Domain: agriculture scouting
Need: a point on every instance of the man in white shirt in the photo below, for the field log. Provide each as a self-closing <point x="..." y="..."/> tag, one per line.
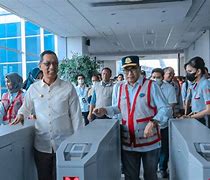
<point x="58" y="114"/>
<point x="82" y="92"/>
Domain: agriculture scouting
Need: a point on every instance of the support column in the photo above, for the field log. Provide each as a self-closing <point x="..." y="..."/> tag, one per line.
<point x="77" y="45"/>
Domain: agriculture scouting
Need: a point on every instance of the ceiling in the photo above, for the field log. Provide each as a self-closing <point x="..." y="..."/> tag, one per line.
<point x="117" y="27"/>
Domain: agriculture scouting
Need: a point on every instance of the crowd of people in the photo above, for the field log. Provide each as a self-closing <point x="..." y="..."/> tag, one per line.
<point x="142" y="105"/>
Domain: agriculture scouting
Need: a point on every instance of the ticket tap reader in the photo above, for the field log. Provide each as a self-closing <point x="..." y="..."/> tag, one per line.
<point x="203" y="149"/>
<point x="92" y="153"/>
<point x="16" y="152"/>
<point x="76" y="151"/>
<point x="189" y="150"/>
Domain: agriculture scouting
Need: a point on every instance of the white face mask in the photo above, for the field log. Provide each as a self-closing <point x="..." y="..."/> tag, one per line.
<point x="81" y="81"/>
<point x="93" y="83"/>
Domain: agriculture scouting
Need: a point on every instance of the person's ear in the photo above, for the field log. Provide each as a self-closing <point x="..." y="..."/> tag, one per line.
<point x="199" y="72"/>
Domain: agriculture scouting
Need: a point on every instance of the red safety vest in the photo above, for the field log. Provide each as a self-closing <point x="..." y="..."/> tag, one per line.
<point x="11" y="108"/>
<point x="135" y="117"/>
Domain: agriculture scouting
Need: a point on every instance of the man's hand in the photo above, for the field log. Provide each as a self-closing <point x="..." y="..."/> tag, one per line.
<point x="188" y="115"/>
<point x="99" y="112"/>
<point x="90" y="117"/>
<point x="148" y="131"/>
<point x="184" y="116"/>
<point x="19" y="119"/>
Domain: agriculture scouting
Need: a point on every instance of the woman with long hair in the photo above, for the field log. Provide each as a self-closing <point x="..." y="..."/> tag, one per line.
<point x="200" y="89"/>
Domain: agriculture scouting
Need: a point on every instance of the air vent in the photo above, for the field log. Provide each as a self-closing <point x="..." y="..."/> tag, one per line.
<point x="131" y="2"/>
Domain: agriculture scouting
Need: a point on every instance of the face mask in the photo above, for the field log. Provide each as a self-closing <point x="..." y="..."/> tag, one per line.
<point x="93" y="83"/>
<point x="191" y="76"/>
<point x="159" y="81"/>
<point x="81" y="81"/>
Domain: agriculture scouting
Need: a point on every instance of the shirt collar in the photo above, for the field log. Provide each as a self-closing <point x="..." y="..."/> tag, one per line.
<point x="56" y="82"/>
<point x="201" y="79"/>
<point x="106" y="84"/>
<point x="138" y="82"/>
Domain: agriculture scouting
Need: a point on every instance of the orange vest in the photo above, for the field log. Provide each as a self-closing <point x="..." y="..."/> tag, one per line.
<point x="135" y="117"/>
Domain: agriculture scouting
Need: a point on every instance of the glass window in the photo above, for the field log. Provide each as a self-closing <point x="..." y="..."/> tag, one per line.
<point x="47" y="32"/>
<point x="10" y="30"/>
<point x="14" y="43"/>
<point x="150" y="64"/>
<point x="49" y="42"/>
<point x="13" y="29"/>
<point x="32" y="48"/>
<point x="2" y="30"/>
<point x="10" y="50"/>
<point x="31" y="29"/>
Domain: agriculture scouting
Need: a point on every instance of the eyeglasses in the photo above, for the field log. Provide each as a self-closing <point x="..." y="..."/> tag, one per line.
<point x="47" y="64"/>
<point x="132" y="70"/>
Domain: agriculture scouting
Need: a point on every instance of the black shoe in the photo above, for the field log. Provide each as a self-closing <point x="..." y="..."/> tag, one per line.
<point x="162" y="174"/>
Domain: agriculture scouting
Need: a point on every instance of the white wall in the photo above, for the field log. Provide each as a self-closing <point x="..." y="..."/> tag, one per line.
<point x="111" y="65"/>
<point x="200" y="48"/>
<point x="76" y="45"/>
<point x="61" y="47"/>
<point x="110" y="62"/>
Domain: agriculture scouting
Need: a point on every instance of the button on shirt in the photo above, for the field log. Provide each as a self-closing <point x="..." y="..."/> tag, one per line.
<point x="57" y="111"/>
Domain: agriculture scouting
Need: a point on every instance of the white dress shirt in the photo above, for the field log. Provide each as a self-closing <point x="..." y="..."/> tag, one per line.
<point x="57" y="111"/>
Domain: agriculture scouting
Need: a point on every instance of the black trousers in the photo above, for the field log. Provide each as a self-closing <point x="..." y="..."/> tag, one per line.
<point x="46" y="165"/>
<point x="85" y="115"/>
<point x="164" y="150"/>
<point x="132" y="161"/>
<point x="202" y="120"/>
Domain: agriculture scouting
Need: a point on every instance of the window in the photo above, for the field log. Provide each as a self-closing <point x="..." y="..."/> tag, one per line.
<point x="49" y="42"/>
<point x="10" y="50"/>
<point x="32" y="48"/>
<point x="11" y="46"/>
<point x="10" y="30"/>
<point x="149" y="64"/>
<point x="31" y="29"/>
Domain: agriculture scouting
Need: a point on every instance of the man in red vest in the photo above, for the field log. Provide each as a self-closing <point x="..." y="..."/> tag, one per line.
<point x="143" y="107"/>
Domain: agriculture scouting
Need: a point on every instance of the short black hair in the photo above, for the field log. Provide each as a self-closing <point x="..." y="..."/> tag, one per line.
<point x="95" y="75"/>
<point x="106" y="68"/>
<point x="158" y="70"/>
<point x="143" y="72"/>
<point x="197" y="63"/>
<point x="47" y="52"/>
<point x="120" y="75"/>
<point x="80" y="75"/>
